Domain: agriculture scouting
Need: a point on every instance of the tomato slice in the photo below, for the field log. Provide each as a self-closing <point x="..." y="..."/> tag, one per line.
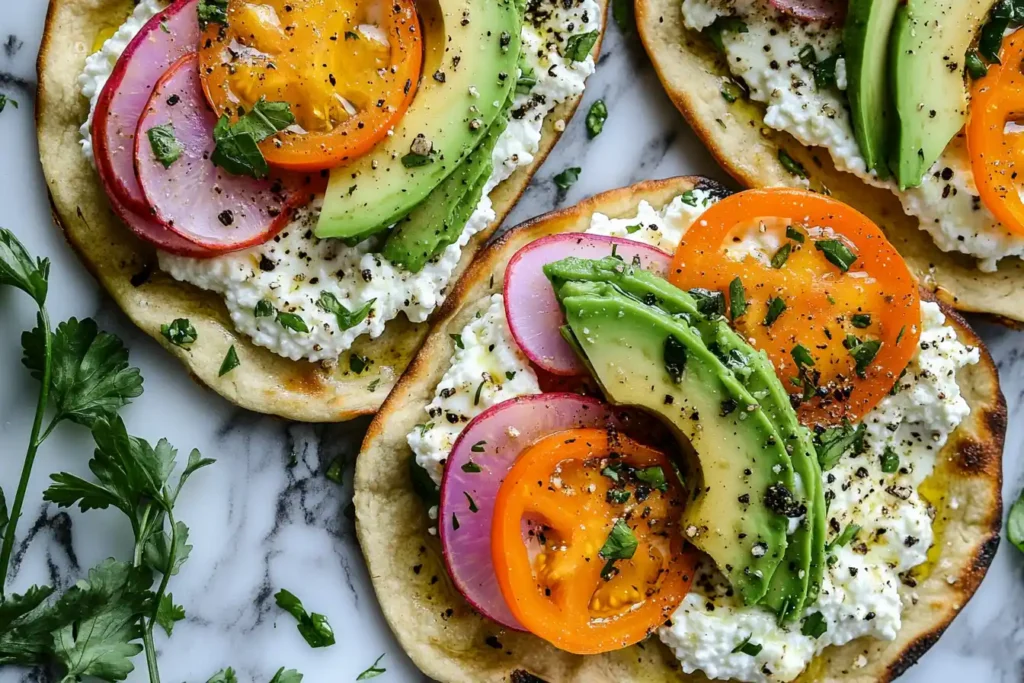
<point x="995" y="138"/>
<point x="586" y="541"/>
<point x="827" y="296"/>
<point x="348" y="68"/>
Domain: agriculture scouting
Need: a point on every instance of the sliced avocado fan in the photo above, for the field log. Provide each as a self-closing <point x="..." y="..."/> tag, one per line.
<point x="746" y="428"/>
<point x="439" y="220"/>
<point x="471" y="54"/>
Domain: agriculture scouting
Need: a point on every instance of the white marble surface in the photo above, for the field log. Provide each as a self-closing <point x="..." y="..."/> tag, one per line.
<point x="260" y="523"/>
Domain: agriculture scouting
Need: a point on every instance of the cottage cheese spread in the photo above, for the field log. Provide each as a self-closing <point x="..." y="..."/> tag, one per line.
<point x="292" y="270"/>
<point x="766" y="56"/>
<point x="860" y="592"/>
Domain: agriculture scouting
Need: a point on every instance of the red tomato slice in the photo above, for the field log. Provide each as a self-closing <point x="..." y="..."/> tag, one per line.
<point x="348" y="68"/>
<point x="586" y="541"/>
<point x="826" y="295"/>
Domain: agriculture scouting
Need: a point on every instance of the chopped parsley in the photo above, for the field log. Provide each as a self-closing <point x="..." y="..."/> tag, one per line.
<point x="792" y="165"/>
<point x="794" y="234"/>
<point x="781" y="256"/>
<point x="748" y="648"/>
<point x="580" y="45"/>
<point x="237" y="150"/>
<point x="832" y="444"/>
<point x="675" y="358"/>
<point x="837" y="253"/>
<point x="814" y="625"/>
<point x="802" y="356"/>
<point x="4" y="99"/>
<point x="776" y="307"/>
<point x="230" y="362"/>
<point x="975" y="67"/>
<point x="844" y="538"/>
<point x="621" y="543"/>
<point x="373" y="671"/>
<point x="890" y="461"/>
<point x="861" y="320"/>
<point x="596" y="117"/>
<point x="567" y="178"/>
<point x="471" y="467"/>
<point x="414" y="160"/>
<point x="457" y="338"/>
<point x="864" y="354"/>
<point x="720" y="26"/>
<point x="357" y="364"/>
<point x="709" y="302"/>
<point x="180" y="332"/>
<point x="291" y="321"/>
<point x="212" y="12"/>
<point x="346" y="319"/>
<point x="653" y="477"/>
<point x="313" y="627"/>
<point x="478" y="447"/>
<point x="737" y="299"/>
<point x="264" y="309"/>
<point x="166" y="147"/>
<point x="472" y="503"/>
<point x="617" y="496"/>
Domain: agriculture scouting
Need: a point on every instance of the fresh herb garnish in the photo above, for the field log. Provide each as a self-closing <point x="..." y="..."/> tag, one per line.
<point x="230" y="362"/>
<point x="166" y="147"/>
<point x="720" y="26"/>
<point x="781" y="256"/>
<point x="622" y="13"/>
<point x="1015" y="523"/>
<point x="633" y="229"/>
<point x="580" y="45"/>
<point x="776" y="307"/>
<point x="567" y="178"/>
<point x="864" y="354"/>
<point x="890" y="461"/>
<point x="373" y="671"/>
<point x="414" y="160"/>
<point x="527" y="79"/>
<point x="335" y="472"/>
<point x="457" y="338"/>
<point x="612" y="472"/>
<point x="802" y="356"/>
<point x="621" y="543"/>
<point x="748" y="648"/>
<point x="731" y="91"/>
<point x="346" y="319"/>
<point x="4" y="99"/>
<point x="314" y="627"/>
<point x="286" y="676"/>
<point x="479" y="391"/>
<point x="814" y="625"/>
<point x="264" y="309"/>
<point x="709" y="302"/>
<point x="237" y="144"/>
<point x="794" y="234"/>
<point x="291" y="321"/>
<point x="835" y="442"/>
<point x="899" y="337"/>
<point x="675" y="358"/>
<point x="472" y="503"/>
<point x="861" y="320"/>
<point x="422" y="484"/>
<point x="471" y="467"/>
<point x="653" y="477"/>
<point x="737" y="299"/>
<point x="357" y="363"/>
<point x="792" y="165"/>
<point x="212" y="12"/>
<point x="975" y="67"/>
<point x="180" y="332"/>
<point x="510" y="375"/>
<point x="837" y="253"/>
<point x="596" y="117"/>
<point x="373" y="385"/>
<point x="844" y="538"/>
<point x="617" y="496"/>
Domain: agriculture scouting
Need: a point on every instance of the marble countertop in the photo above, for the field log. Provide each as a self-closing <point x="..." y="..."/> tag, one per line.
<point x="265" y="517"/>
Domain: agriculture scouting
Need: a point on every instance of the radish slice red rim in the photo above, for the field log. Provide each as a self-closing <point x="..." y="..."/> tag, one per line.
<point x="480" y="459"/>
<point x="164" y="39"/>
<point x="812" y="10"/>
<point x="194" y="198"/>
<point x="534" y="316"/>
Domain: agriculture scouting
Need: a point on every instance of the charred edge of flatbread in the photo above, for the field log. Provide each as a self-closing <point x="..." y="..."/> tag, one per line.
<point x="692" y="73"/>
<point x="390" y="518"/>
<point x="264" y="382"/>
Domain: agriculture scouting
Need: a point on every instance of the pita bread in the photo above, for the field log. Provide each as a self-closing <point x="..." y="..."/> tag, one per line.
<point x="126" y="267"/>
<point x="452" y="643"/>
<point x="692" y="72"/>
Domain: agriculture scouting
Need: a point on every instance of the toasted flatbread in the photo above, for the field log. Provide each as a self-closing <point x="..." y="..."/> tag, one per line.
<point x="692" y="72"/>
<point x="126" y="267"/>
<point x="450" y="642"/>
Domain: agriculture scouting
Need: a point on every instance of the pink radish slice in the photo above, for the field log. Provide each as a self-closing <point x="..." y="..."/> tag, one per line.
<point x="201" y="202"/>
<point x="156" y="234"/>
<point x="164" y="39"/>
<point x="534" y="316"/>
<point x="812" y="10"/>
<point x="467" y="550"/>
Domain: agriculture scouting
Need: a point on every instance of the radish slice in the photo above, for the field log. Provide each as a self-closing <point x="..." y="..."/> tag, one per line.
<point x="164" y="39"/>
<point x="156" y="234"/>
<point x="812" y="10"/>
<point x="534" y="316"/>
<point x="201" y="202"/>
<point x="499" y="435"/>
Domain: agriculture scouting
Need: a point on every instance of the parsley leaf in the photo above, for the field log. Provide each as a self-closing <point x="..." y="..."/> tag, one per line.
<point x="567" y="178"/>
<point x="622" y="12"/>
<point x="580" y="45"/>
<point x="4" y="99"/>
<point x="776" y="307"/>
<point x="814" y="625"/>
<point x="781" y="256"/>
<point x="737" y="299"/>
<point x="654" y="477"/>
<point x="17" y="269"/>
<point x="237" y="150"/>
<point x="373" y="671"/>
<point x="864" y="354"/>
<point x="91" y="378"/>
<point x="264" y="309"/>
<point x="844" y="538"/>
<point x="837" y="253"/>
<point x="890" y="461"/>
<point x="212" y="12"/>
<point x="792" y="165"/>
<point x="832" y="444"/>
<point x="166" y="147"/>
<point x="748" y="648"/>
<point x="291" y="321"/>
<point x="230" y="362"/>
<point x="224" y="676"/>
<point x="861" y="320"/>
<point x="180" y="332"/>
<point x="346" y="319"/>
<point x="621" y="543"/>
<point x="313" y="627"/>
<point x="167" y="614"/>
<point x="596" y="117"/>
<point x="286" y="676"/>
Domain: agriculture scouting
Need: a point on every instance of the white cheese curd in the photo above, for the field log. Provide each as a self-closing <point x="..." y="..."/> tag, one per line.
<point x="99" y="65"/>
<point x="487" y="368"/>
<point x="294" y="269"/>
<point x="661" y="229"/>
<point x="766" y="55"/>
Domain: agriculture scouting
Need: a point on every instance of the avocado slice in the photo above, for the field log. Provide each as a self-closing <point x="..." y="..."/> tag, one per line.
<point x="797" y="580"/>
<point x="866" y="40"/>
<point x="928" y="43"/>
<point x="471" y="56"/>
<point x="644" y="357"/>
<point x="438" y="221"/>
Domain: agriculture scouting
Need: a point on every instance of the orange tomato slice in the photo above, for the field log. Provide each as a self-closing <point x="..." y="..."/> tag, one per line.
<point x="348" y="68"/>
<point x="827" y="296"/>
<point x="995" y="139"/>
<point x="586" y="541"/>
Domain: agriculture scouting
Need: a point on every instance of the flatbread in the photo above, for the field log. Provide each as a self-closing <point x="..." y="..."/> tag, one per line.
<point x="452" y="643"/>
<point x="126" y="267"/>
<point x="693" y="71"/>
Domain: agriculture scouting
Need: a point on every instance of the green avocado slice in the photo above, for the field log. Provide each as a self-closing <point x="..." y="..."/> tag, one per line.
<point x="644" y="357"/>
<point x="438" y="221"/>
<point x="797" y="581"/>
